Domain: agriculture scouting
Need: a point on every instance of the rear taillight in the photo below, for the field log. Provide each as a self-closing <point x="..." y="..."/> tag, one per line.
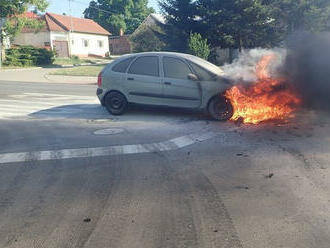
<point x="99" y="80"/>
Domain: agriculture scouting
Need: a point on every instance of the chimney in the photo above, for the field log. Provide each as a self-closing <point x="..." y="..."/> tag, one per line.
<point x="121" y="32"/>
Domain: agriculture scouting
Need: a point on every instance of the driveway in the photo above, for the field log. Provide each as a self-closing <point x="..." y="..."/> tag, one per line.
<point x="71" y="175"/>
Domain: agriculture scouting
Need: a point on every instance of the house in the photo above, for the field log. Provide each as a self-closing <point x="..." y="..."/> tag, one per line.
<point x="67" y="35"/>
<point x="153" y="19"/>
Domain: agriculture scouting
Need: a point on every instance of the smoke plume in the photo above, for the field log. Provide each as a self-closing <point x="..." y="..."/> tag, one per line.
<point x="307" y="66"/>
<point x="243" y="69"/>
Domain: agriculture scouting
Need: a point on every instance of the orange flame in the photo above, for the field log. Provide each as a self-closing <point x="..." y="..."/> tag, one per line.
<point x="267" y="99"/>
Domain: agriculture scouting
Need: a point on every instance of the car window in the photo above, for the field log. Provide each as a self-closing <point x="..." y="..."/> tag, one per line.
<point x="148" y="66"/>
<point x="123" y="65"/>
<point x="175" y="68"/>
<point x="203" y="74"/>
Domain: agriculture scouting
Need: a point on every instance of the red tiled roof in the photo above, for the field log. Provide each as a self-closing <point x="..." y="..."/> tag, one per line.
<point x="63" y="23"/>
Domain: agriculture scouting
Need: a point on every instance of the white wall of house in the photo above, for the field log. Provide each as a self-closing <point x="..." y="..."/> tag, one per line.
<point x="89" y="44"/>
<point x="60" y="36"/>
<point x="80" y="44"/>
<point x="32" y="39"/>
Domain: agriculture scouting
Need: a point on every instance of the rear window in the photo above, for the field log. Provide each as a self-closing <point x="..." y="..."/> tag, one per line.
<point x="147" y="66"/>
<point x="123" y="65"/>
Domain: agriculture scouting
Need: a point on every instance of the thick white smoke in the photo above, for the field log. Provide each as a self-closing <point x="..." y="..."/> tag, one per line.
<point x="243" y="69"/>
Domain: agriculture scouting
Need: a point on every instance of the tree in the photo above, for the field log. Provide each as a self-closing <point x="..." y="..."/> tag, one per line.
<point x="301" y="15"/>
<point x="198" y="46"/>
<point x="238" y="23"/>
<point x="182" y="16"/>
<point x="115" y="15"/>
<point x="12" y="11"/>
<point x="17" y="7"/>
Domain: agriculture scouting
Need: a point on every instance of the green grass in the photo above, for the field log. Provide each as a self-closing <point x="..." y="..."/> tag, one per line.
<point x="89" y="71"/>
<point x="75" y="60"/>
<point x="70" y="61"/>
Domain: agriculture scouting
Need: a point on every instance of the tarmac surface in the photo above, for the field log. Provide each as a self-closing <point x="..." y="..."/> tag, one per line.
<point x="71" y="175"/>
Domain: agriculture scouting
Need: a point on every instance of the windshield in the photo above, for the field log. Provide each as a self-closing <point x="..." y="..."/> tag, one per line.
<point x="206" y="65"/>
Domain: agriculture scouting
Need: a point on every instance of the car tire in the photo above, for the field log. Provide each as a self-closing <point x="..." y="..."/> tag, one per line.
<point x="220" y="109"/>
<point x="115" y="102"/>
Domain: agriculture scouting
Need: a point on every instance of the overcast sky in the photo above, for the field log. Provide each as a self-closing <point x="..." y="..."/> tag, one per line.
<point x="78" y="6"/>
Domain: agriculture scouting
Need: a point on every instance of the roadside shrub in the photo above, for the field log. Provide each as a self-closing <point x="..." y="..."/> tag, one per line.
<point x="198" y="46"/>
<point x="29" y="56"/>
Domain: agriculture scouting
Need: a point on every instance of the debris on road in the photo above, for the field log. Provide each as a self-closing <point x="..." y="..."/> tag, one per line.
<point x="87" y="220"/>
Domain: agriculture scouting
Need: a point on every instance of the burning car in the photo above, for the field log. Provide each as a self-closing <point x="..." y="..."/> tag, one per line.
<point x="186" y="81"/>
<point x="165" y="79"/>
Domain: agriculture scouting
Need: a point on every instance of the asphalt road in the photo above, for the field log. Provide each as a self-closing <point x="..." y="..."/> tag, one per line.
<point x="158" y="178"/>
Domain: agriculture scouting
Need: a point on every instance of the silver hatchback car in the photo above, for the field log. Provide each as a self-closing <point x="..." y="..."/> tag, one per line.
<point x="164" y="79"/>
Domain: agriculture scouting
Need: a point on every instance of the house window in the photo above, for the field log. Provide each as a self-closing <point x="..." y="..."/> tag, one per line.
<point x="100" y="43"/>
<point x="85" y="43"/>
<point x="72" y="42"/>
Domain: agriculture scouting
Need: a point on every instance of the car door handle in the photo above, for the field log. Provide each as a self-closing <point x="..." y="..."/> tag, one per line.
<point x="167" y="83"/>
<point x="130" y="79"/>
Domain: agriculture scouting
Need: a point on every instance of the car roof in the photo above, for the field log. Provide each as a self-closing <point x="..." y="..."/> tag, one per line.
<point x="160" y="53"/>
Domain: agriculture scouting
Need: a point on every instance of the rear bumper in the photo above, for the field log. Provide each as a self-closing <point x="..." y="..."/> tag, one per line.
<point x="99" y="93"/>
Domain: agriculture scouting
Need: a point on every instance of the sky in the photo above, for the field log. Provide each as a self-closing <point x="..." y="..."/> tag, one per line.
<point x="78" y="6"/>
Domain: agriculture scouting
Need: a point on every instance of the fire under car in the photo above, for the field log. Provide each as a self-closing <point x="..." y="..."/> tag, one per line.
<point x="164" y="79"/>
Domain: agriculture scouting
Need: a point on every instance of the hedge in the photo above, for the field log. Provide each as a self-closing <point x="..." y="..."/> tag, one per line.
<point x="28" y="56"/>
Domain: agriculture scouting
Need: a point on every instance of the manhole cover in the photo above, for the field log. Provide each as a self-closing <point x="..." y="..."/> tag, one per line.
<point x="109" y="131"/>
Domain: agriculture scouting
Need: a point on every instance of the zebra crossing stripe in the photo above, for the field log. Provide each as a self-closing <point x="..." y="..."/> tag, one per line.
<point x="169" y="145"/>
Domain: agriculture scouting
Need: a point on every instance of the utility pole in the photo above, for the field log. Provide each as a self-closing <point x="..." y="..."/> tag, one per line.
<point x="2" y="22"/>
<point x="70" y="33"/>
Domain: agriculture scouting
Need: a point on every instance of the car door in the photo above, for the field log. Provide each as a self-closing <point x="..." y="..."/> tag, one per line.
<point x="178" y="90"/>
<point x="143" y="81"/>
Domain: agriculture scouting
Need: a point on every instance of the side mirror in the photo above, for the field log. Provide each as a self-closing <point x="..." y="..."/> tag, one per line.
<point x="193" y="77"/>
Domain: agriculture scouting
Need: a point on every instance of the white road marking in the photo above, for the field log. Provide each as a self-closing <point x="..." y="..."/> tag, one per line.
<point x="28" y="103"/>
<point x="168" y="145"/>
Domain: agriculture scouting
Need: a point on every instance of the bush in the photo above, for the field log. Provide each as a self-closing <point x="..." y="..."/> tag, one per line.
<point x="198" y="46"/>
<point x="29" y="56"/>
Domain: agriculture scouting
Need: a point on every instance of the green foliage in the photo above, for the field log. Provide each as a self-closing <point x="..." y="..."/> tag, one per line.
<point x="198" y="46"/>
<point x="29" y="56"/>
<point x="16" y="7"/>
<point x="298" y="15"/>
<point x="118" y="14"/>
<point x="238" y="23"/>
<point x="246" y="23"/>
<point x="148" y="39"/>
<point x="12" y="10"/>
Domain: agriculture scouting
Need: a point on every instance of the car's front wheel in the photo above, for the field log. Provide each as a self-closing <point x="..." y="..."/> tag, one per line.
<point x="220" y="108"/>
<point x="115" y="103"/>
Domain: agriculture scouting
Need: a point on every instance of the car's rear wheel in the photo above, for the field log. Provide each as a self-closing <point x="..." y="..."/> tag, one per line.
<point x="115" y="103"/>
<point x="220" y="108"/>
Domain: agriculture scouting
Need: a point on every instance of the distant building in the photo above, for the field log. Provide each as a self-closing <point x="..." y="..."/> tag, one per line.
<point x="152" y="20"/>
<point x="67" y="35"/>
<point x="120" y="44"/>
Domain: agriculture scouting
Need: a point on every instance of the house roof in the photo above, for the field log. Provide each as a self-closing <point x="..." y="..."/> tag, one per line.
<point x="62" y="23"/>
<point x="56" y="22"/>
<point x="159" y="18"/>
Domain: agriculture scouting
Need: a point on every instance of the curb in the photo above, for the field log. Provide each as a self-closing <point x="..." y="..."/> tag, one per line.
<point x="84" y="64"/>
<point x="21" y="69"/>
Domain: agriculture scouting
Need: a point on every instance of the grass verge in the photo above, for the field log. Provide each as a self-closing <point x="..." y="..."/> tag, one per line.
<point x="88" y="71"/>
